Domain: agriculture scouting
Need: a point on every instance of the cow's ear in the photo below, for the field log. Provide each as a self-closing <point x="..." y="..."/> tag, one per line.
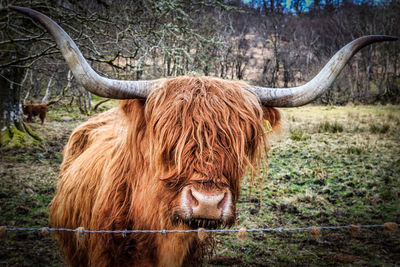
<point x="273" y="116"/>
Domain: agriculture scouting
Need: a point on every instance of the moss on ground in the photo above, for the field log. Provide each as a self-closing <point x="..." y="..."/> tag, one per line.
<point x="18" y="136"/>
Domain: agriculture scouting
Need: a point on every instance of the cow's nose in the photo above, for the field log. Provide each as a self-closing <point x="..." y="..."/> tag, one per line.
<point x="208" y="204"/>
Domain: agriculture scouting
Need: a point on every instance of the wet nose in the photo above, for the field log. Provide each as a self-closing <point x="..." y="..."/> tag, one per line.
<point x="207" y="204"/>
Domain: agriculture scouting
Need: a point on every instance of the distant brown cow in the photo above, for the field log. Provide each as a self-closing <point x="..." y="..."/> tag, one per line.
<point x="171" y="156"/>
<point x="33" y="110"/>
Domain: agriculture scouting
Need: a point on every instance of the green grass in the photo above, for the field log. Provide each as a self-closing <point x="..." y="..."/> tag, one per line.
<point x="330" y="166"/>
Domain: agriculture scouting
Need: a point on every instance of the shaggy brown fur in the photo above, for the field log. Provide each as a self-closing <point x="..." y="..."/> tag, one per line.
<point x="125" y="169"/>
<point x="33" y="110"/>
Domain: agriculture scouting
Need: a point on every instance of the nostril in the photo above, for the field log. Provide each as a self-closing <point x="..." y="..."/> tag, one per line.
<point x="222" y="203"/>
<point x="192" y="199"/>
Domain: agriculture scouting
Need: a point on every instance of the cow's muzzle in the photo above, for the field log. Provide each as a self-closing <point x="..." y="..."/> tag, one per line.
<point x="207" y="208"/>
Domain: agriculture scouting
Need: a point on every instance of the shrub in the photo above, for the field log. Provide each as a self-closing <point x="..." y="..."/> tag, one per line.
<point x="355" y="150"/>
<point x="329" y="127"/>
<point x="379" y="129"/>
<point x="299" y="135"/>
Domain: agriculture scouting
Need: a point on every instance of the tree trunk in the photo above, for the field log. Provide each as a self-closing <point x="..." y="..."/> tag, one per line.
<point x="13" y="131"/>
<point x="46" y="97"/>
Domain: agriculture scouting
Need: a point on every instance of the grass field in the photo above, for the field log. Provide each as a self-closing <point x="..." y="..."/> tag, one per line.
<point x="330" y="166"/>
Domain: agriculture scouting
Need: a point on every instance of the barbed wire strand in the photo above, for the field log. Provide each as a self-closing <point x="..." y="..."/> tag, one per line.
<point x="279" y="229"/>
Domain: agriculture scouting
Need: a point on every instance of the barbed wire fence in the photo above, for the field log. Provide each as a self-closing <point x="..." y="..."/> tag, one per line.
<point x="315" y="231"/>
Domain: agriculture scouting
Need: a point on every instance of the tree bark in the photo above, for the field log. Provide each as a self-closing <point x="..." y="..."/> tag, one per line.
<point x="13" y="131"/>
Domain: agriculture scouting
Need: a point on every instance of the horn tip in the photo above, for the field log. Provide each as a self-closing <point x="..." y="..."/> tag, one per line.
<point x="14" y="7"/>
<point x="391" y="37"/>
<point x="19" y="8"/>
<point x="384" y="37"/>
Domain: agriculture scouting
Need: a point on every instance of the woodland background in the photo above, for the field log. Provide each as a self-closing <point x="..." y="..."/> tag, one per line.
<point x="266" y="42"/>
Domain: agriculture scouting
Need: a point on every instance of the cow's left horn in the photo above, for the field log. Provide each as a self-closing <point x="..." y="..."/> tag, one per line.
<point x="83" y="72"/>
<point x="301" y="95"/>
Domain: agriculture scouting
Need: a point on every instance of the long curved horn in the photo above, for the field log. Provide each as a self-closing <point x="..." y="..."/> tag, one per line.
<point x="301" y="95"/>
<point x="83" y="72"/>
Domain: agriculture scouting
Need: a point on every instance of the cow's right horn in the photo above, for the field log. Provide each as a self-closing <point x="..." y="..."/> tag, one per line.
<point x="83" y="72"/>
<point x="301" y="95"/>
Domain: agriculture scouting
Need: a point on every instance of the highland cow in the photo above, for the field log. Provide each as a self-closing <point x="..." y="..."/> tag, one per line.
<point x="32" y="110"/>
<point x="171" y="156"/>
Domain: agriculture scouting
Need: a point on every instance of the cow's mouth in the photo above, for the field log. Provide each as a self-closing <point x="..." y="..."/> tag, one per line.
<point x="196" y="223"/>
<point x="204" y="223"/>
